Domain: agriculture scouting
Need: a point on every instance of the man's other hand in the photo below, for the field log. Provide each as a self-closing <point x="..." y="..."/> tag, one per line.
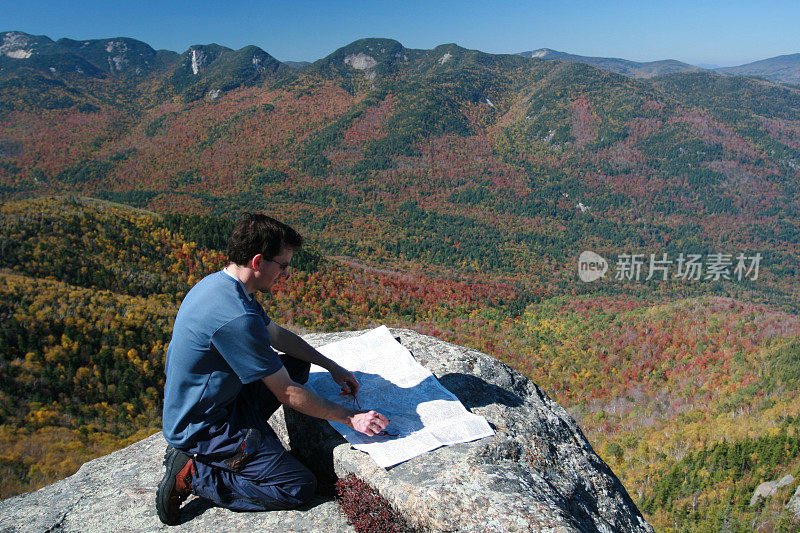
<point x="369" y="423"/>
<point x="345" y="379"/>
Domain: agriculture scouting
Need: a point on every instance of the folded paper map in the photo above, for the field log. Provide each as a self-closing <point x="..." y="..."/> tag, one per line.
<point x="422" y="414"/>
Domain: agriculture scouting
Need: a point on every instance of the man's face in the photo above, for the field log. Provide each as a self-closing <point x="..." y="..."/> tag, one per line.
<point x="274" y="269"/>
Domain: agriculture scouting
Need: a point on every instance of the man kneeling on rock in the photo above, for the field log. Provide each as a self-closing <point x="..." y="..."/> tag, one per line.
<point x="224" y="380"/>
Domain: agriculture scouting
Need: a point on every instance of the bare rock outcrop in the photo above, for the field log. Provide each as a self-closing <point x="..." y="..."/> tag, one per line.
<point x="117" y="493"/>
<point x="794" y="505"/>
<point x="538" y="473"/>
<point x="770" y="488"/>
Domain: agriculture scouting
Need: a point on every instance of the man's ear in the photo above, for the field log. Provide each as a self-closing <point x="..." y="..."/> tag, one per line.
<point x="255" y="262"/>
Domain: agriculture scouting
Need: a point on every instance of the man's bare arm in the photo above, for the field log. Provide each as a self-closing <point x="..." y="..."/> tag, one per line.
<point x="301" y="398"/>
<point x="291" y="344"/>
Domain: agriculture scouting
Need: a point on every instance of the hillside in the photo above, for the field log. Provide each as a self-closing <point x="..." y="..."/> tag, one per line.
<point x="449" y="158"/>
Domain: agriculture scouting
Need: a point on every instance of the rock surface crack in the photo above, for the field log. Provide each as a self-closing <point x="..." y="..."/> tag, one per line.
<point x="60" y="521"/>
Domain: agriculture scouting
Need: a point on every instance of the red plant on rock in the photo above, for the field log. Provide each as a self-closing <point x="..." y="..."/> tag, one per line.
<point x="366" y="509"/>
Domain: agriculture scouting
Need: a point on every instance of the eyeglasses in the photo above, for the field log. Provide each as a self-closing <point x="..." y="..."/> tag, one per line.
<point x="284" y="268"/>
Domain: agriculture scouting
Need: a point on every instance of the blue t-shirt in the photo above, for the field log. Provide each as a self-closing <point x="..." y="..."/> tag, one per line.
<point x="219" y="342"/>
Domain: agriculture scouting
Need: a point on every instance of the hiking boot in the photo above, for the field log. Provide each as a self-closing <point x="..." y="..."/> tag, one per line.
<point x="175" y="486"/>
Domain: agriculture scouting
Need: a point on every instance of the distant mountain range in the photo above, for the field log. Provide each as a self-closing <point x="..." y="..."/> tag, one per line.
<point x="456" y="145"/>
<point x="122" y="55"/>
<point x="209" y="129"/>
<point x="93" y="57"/>
<point x="200" y="70"/>
<point x="625" y="67"/>
<point x="781" y="69"/>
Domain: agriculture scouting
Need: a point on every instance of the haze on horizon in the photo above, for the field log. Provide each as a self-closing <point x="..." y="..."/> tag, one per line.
<point x="701" y="33"/>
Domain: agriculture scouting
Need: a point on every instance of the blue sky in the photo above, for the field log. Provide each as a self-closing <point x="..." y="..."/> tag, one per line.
<point x="698" y="32"/>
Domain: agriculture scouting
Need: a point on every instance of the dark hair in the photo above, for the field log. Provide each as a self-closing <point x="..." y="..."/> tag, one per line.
<point x="259" y="234"/>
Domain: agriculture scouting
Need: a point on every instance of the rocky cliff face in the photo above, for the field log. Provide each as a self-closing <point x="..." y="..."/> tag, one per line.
<point x="93" y="57"/>
<point x="538" y="473"/>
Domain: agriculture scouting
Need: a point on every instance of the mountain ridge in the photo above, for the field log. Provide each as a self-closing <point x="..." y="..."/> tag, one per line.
<point x="778" y="69"/>
<point x="783" y="68"/>
<point x="20" y="45"/>
<point x="625" y="67"/>
<point x="697" y="147"/>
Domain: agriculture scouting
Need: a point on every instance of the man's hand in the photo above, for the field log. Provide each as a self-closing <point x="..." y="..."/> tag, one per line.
<point x="302" y="399"/>
<point x="369" y="423"/>
<point x="345" y="379"/>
